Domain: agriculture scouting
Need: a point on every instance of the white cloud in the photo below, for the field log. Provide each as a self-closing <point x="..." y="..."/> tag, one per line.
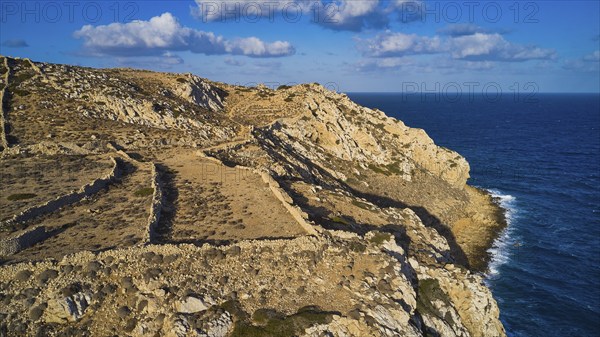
<point x="385" y="63"/>
<point x="461" y="29"/>
<point x="165" y="61"/>
<point x="440" y="65"/>
<point x="587" y="63"/>
<point x="351" y="15"/>
<point x="474" y="47"/>
<point x="495" y="47"/>
<point x="164" y="33"/>
<point x="400" y="44"/>
<point x="593" y="57"/>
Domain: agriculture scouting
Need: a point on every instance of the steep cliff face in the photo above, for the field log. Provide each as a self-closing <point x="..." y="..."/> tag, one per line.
<point x="350" y="132"/>
<point x="237" y="212"/>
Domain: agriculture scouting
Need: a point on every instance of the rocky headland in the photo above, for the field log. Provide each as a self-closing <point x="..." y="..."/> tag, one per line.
<point x="136" y="203"/>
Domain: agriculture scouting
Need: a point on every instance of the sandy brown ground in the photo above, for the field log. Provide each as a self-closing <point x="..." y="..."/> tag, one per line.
<point x="112" y="218"/>
<point x="219" y="203"/>
<point x="46" y="177"/>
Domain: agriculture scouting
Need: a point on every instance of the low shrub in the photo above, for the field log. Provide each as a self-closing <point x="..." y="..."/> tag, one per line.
<point x="21" y="196"/>
<point x="144" y="192"/>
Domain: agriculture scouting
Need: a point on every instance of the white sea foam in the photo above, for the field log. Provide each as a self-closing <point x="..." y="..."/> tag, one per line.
<point x="506" y="244"/>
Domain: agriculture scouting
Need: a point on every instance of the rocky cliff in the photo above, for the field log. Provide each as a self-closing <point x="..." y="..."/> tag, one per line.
<point x="237" y="212"/>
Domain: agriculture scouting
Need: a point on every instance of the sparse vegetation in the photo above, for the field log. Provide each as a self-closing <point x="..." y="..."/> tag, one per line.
<point x="338" y="219"/>
<point x="378" y="238"/>
<point x="144" y="192"/>
<point x="378" y="169"/>
<point x="429" y="291"/>
<point x="380" y="126"/>
<point x="357" y="247"/>
<point x="21" y="77"/>
<point x="394" y="168"/>
<point x="21" y="196"/>
<point x="274" y="324"/>
<point x="360" y="204"/>
<point x="20" y="92"/>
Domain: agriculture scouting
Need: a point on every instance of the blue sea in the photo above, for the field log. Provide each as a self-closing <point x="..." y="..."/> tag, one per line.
<point x="541" y="156"/>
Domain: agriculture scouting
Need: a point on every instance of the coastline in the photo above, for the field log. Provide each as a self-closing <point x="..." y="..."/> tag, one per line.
<point x="483" y="222"/>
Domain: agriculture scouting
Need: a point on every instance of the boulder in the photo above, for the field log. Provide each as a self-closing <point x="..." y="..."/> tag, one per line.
<point x="190" y="305"/>
<point x="67" y="309"/>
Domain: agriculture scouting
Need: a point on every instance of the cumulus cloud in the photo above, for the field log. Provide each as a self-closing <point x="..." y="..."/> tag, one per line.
<point x="164" y="33"/>
<point x="165" y="61"/>
<point x="349" y="15"/>
<point x="352" y="15"/>
<point x="473" y="47"/>
<point x="587" y="63"/>
<point x="400" y="44"/>
<point x="385" y="63"/>
<point x="461" y="29"/>
<point x="441" y="64"/>
<point x="495" y="47"/>
<point x="593" y="57"/>
<point x="16" y="43"/>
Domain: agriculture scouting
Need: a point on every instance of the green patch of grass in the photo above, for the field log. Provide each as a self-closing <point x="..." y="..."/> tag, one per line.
<point x="234" y="308"/>
<point x="181" y="80"/>
<point x="394" y="168"/>
<point x="263" y="316"/>
<point x="20" y="92"/>
<point x="429" y="291"/>
<point x="338" y="219"/>
<point x="361" y="204"/>
<point x="283" y="87"/>
<point x="352" y="181"/>
<point x="379" y="238"/>
<point x="21" y="196"/>
<point x="274" y="324"/>
<point x="22" y="77"/>
<point x="378" y="169"/>
<point x="144" y="192"/>
<point x="357" y="247"/>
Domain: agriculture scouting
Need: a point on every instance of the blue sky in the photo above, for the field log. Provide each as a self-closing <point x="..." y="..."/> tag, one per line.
<point x="360" y="45"/>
